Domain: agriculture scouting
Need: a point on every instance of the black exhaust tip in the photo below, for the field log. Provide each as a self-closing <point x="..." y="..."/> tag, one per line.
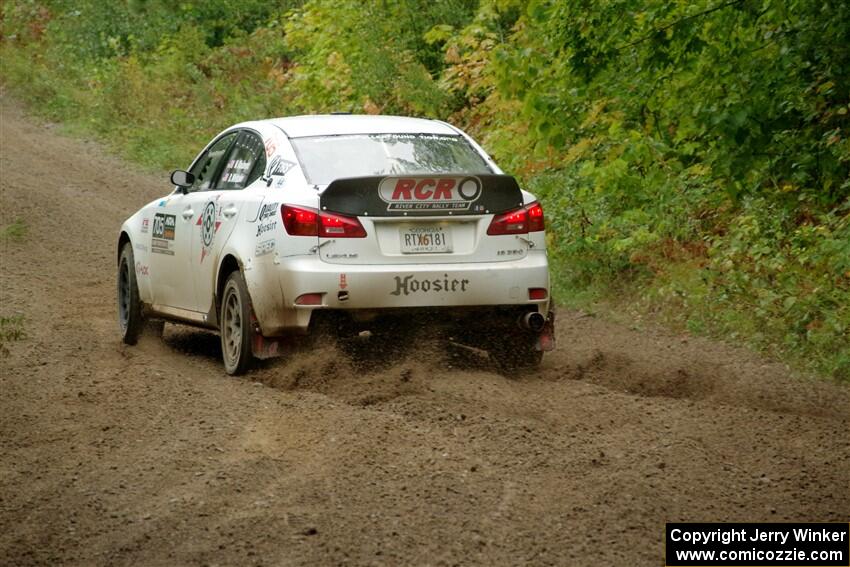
<point x="532" y="322"/>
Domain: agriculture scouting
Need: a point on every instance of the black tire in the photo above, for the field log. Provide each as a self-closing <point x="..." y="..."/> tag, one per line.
<point x="130" y="318"/>
<point x="236" y="326"/>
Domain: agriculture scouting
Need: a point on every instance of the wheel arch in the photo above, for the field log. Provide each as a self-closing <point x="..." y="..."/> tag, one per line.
<point x="229" y="264"/>
<point x="123" y="239"/>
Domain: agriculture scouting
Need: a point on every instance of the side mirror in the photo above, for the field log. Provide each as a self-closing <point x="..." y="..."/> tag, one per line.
<point x="182" y="179"/>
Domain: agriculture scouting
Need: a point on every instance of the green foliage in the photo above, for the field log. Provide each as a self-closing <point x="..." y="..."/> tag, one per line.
<point x="11" y="329"/>
<point x="369" y="57"/>
<point x="693" y="157"/>
<point x="108" y="30"/>
<point x="14" y="232"/>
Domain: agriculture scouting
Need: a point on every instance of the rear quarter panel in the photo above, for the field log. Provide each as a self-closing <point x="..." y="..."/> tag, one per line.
<point x="261" y="241"/>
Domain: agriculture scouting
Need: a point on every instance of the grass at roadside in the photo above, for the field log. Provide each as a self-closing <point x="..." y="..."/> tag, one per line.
<point x="687" y="307"/>
<point x="14" y="232"/>
<point x="11" y="329"/>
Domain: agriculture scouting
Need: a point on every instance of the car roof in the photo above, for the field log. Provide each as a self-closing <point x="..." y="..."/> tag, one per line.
<point x="341" y="124"/>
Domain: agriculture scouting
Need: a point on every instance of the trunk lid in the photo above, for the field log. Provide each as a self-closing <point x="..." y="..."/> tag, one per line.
<point x="421" y="219"/>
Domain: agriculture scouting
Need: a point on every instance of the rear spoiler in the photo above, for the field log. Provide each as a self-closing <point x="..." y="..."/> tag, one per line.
<point x="422" y="195"/>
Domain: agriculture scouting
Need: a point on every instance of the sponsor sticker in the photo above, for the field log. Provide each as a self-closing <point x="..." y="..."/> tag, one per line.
<point x="209" y="223"/>
<point x="267" y="211"/>
<point x="264" y="247"/>
<point x="162" y="235"/>
<point x="142" y="270"/>
<point x="429" y="193"/>
<point x="343" y="281"/>
<point x="279" y="166"/>
<point x="267" y="219"/>
<point x="237" y="170"/>
<point x="145" y="225"/>
<point x="270" y="147"/>
<point x="408" y="285"/>
<point x="265" y="227"/>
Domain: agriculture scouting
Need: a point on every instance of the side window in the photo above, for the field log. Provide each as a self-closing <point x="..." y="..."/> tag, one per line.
<point x="207" y="165"/>
<point x="245" y="163"/>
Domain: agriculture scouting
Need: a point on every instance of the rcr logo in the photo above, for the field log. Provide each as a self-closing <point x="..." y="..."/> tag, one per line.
<point x="430" y="193"/>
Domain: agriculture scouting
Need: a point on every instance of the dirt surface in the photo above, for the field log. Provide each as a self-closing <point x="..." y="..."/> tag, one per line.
<point x="151" y="455"/>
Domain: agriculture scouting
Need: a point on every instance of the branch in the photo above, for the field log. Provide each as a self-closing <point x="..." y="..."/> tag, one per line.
<point x="677" y="22"/>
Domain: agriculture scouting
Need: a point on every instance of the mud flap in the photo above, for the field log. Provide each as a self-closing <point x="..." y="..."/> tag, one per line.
<point x="263" y="347"/>
<point x="546" y="339"/>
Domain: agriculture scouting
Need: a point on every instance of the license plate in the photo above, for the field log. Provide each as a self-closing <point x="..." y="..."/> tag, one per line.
<point x="425" y="239"/>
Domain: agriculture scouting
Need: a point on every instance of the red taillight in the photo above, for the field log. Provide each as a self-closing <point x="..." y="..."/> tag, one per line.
<point x="512" y="222"/>
<point x="338" y="226"/>
<point x="301" y="221"/>
<point x="519" y="221"/>
<point x="535" y="217"/>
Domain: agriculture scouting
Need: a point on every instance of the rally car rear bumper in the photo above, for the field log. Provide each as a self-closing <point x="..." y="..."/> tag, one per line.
<point x="306" y="283"/>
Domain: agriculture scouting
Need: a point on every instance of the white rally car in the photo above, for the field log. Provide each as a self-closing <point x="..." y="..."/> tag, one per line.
<point x="287" y="226"/>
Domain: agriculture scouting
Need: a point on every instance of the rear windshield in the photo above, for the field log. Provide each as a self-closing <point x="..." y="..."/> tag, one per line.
<point x="325" y="158"/>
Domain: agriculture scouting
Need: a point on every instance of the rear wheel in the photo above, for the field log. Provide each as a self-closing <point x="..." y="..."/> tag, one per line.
<point x="236" y="328"/>
<point x="129" y="306"/>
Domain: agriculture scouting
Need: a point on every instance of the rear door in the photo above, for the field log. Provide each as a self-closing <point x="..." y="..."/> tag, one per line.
<point x="219" y="209"/>
<point x="172" y="226"/>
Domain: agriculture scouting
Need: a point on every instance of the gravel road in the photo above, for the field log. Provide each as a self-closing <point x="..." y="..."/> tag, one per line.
<point x="151" y="455"/>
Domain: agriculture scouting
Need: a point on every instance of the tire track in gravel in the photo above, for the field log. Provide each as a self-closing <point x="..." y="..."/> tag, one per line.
<point x="150" y="455"/>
